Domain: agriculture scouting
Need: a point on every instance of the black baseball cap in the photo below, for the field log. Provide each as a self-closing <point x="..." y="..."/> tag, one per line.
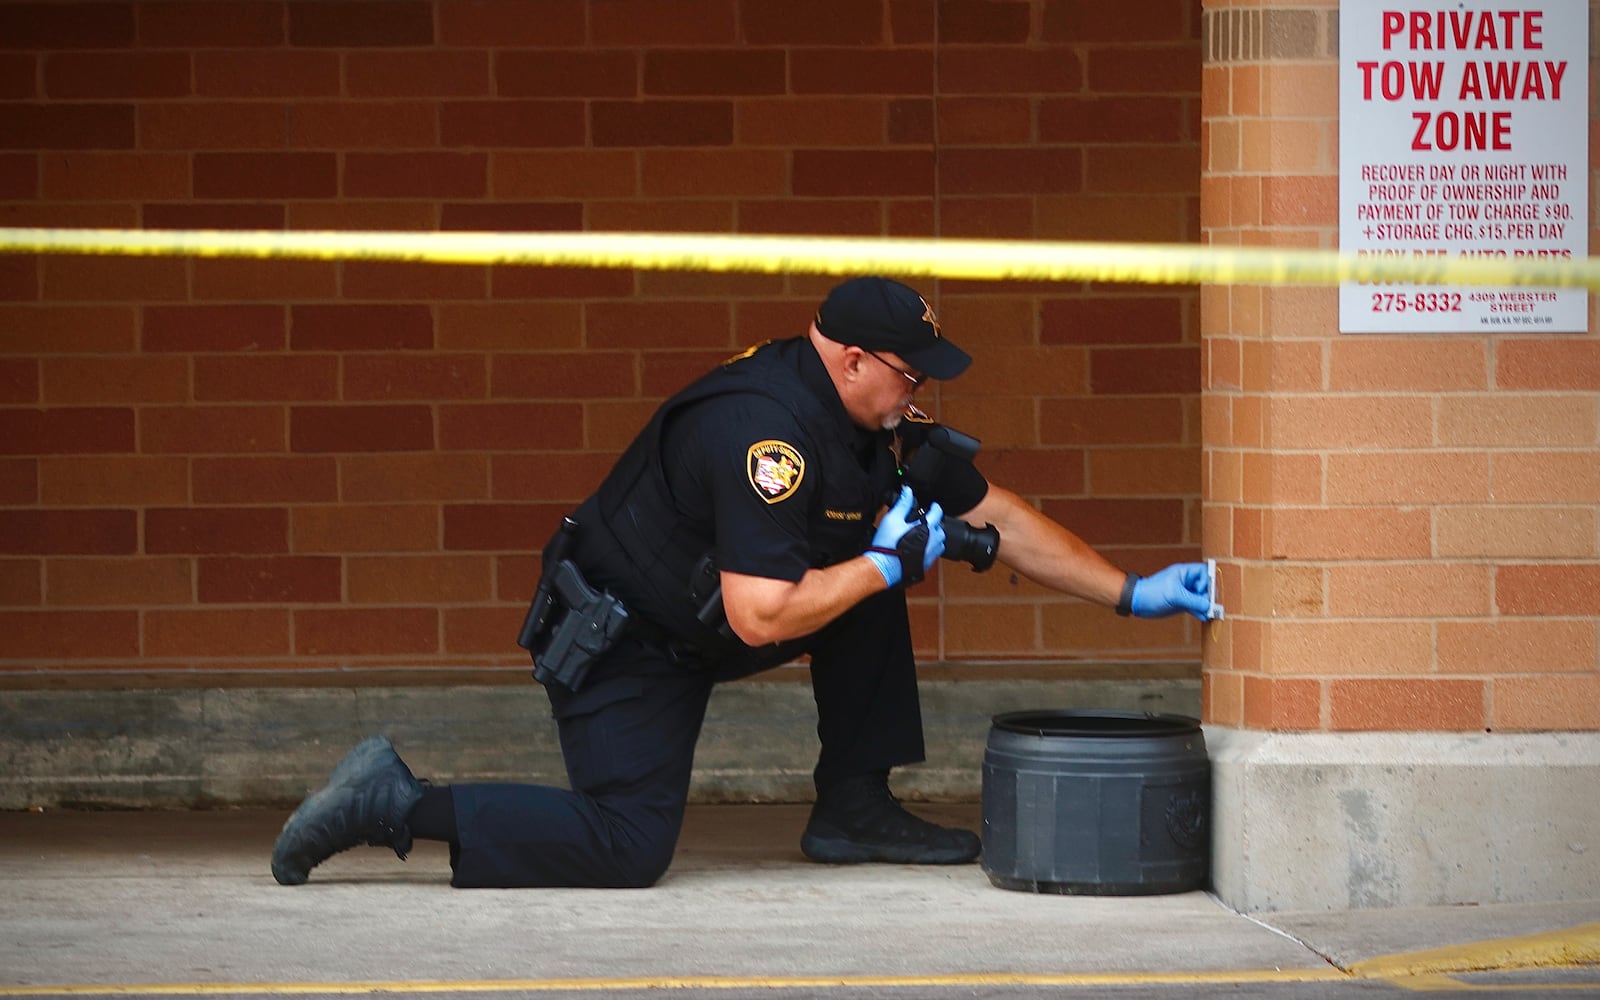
<point x="883" y="315"/>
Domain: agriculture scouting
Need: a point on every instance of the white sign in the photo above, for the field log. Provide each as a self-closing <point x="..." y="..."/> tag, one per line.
<point x="1463" y="131"/>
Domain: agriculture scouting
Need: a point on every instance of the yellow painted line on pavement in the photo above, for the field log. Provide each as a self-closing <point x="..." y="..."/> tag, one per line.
<point x="1420" y="971"/>
<point x="1436" y="983"/>
<point x="1578" y="945"/>
<point x="983" y="260"/>
<point x="953" y="980"/>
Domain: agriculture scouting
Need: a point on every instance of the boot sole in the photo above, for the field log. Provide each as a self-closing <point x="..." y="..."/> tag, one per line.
<point x="840" y="851"/>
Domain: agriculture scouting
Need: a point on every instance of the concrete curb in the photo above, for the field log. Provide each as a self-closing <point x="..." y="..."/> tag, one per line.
<point x="1571" y="946"/>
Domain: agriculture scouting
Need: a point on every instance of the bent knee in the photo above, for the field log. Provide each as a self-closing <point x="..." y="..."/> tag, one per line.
<point x="640" y="866"/>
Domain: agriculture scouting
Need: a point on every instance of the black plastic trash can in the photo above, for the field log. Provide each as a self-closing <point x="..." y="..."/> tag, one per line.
<point x="1096" y="803"/>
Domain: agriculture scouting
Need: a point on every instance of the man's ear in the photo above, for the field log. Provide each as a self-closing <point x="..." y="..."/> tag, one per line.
<point x="851" y="366"/>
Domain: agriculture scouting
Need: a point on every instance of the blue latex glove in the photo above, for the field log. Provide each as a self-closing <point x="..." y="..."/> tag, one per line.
<point x="897" y="540"/>
<point x="1179" y="587"/>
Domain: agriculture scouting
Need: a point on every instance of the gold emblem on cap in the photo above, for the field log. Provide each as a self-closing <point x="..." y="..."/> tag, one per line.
<point x="929" y="318"/>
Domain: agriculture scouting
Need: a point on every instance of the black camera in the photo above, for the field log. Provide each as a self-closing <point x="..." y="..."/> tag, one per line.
<point x="962" y="542"/>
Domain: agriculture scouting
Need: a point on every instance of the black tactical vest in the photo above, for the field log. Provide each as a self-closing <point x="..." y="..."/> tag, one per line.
<point x="634" y="542"/>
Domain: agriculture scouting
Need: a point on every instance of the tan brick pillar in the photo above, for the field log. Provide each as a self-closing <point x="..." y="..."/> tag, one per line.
<point x="1407" y="531"/>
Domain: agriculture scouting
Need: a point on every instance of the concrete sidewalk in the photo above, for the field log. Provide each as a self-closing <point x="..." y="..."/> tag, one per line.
<point x="132" y="898"/>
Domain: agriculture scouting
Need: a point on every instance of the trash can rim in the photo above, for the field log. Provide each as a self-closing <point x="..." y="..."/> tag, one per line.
<point x="1094" y="722"/>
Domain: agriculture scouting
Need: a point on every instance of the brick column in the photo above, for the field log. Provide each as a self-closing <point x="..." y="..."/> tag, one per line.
<point x="1407" y="533"/>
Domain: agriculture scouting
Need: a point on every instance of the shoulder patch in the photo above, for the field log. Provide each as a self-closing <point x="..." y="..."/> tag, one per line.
<point x="775" y="469"/>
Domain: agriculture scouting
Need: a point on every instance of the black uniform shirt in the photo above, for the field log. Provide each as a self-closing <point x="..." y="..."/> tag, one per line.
<point x="731" y="464"/>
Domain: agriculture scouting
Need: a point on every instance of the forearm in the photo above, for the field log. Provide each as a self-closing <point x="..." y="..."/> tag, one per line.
<point x="762" y="610"/>
<point x="1047" y="553"/>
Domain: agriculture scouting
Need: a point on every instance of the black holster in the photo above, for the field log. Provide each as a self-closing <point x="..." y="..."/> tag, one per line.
<point x="569" y="624"/>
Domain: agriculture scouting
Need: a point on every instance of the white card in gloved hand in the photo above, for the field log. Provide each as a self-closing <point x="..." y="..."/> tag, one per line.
<point x="1216" y="611"/>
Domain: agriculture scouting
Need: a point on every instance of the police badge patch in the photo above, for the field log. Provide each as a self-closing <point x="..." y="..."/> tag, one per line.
<point x="775" y="469"/>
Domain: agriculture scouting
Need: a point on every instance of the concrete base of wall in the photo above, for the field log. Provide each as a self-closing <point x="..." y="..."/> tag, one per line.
<point x="232" y="746"/>
<point x="1299" y="821"/>
<point x="1337" y="821"/>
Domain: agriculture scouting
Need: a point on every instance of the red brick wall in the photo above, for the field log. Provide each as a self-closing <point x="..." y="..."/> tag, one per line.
<point x="1406" y="524"/>
<point x="221" y="464"/>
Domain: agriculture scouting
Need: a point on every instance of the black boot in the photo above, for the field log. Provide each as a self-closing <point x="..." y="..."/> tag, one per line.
<point x="858" y="820"/>
<point x="365" y="801"/>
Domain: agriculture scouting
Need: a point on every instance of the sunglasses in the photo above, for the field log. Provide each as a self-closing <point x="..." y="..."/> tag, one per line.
<point x="915" y="380"/>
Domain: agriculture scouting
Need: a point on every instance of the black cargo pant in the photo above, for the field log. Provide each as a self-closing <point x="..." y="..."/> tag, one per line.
<point x="629" y="736"/>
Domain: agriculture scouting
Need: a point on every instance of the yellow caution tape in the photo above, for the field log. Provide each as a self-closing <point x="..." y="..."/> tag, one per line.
<point x="980" y="260"/>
